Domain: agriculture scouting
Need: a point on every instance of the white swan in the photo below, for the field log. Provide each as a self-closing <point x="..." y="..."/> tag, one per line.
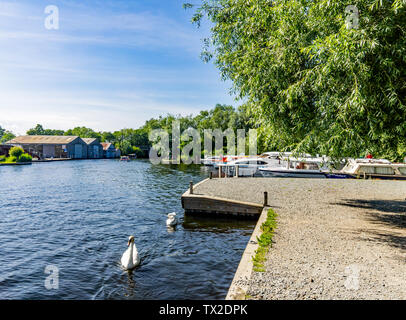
<point x="171" y="221"/>
<point x="130" y="258"/>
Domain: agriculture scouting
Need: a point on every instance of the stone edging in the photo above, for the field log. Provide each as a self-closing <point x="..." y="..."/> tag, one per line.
<point x="239" y="285"/>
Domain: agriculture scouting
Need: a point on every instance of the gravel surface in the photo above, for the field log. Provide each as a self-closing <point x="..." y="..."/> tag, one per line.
<point x="336" y="239"/>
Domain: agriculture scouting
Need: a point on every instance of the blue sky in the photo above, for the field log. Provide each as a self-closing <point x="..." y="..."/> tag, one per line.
<point x="112" y="64"/>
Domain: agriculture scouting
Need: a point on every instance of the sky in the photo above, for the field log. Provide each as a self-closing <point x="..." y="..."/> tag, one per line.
<point x="112" y="64"/>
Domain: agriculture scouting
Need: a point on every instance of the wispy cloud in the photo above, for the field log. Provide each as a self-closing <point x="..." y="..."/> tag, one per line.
<point x="95" y="25"/>
<point x="111" y="64"/>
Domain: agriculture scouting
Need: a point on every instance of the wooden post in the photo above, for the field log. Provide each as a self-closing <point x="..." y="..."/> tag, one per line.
<point x="211" y="175"/>
<point x="219" y="171"/>
<point x="237" y="171"/>
<point x="191" y="187"/>
<point x="265" y="199"/>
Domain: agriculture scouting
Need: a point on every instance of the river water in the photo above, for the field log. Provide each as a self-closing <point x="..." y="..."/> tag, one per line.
<point x="76" y="216"/>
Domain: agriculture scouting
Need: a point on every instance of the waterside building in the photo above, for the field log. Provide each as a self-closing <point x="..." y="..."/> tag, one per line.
<point x="109" y="151"/>
<point x="94" y="148"/>
<point x="60" y="147"/>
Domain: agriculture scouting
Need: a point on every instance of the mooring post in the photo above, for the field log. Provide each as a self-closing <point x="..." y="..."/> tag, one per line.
<point x="191" y="187"/>
<point x="211" y="175"/>
<point x="265" y="199"/>
<point x="236" y="171"/>
<point x="219" y="171"/>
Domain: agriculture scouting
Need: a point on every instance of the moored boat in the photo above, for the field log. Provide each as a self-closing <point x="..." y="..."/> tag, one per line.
<point x="125" y="158"/>
<point x="296" y="168"/>
<point x="248" y="166"/>
<point x="374" y="169"/>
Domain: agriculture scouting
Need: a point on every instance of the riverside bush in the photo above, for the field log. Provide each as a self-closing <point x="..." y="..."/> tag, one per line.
<point x="25" y="158"/>
<point x="11" y="159"/>
<point x="16" y="152"/>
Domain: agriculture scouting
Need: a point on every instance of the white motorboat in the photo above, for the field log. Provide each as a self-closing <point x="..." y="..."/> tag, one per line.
<point x="296" y="168"/>
<point x="210" y="161"/>
<point x="374" y="169"/>
<point x="248" y="166"/>
<point x="214" y="161"/>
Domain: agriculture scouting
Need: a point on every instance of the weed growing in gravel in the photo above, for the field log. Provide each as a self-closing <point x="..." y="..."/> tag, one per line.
<point x="265" y="241"/>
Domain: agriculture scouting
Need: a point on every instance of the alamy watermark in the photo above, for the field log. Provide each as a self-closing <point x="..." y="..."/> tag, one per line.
<point x="169" y="148"/>
<point x="52" y="278"/>
<point x="353" y="273"/>
<point x="52" y="19"/>
<point x="352" y="17"/>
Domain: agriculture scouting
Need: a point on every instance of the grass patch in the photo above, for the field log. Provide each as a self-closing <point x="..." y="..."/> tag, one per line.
<point x="265" y="241"/>
<point x="11" y="160"/>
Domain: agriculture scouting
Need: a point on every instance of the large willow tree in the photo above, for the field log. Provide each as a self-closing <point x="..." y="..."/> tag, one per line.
<point x="317" y="78"/>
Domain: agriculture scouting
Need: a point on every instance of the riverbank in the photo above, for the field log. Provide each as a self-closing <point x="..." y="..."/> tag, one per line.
<point x="336" y="239"/>
<point x="15" y="163"/>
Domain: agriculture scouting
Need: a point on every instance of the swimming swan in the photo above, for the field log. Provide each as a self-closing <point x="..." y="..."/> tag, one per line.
<point x="171" y="221"/>
<point x="130" y="258"/>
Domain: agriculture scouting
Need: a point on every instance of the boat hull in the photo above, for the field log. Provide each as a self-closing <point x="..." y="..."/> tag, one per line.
<point x="381" y="177"/>
<point x="292" y="174"/>
<point x="339" y="176"/>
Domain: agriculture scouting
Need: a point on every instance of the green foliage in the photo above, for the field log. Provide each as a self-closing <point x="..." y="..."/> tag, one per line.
<point x="313" y="84"/>
<point x="265" y="241"/>
<point x="16" y="152"/>
<point x="17" y="155"/>
<point x="5" y="135"/>
<point x="125" y="148"/>
<point x="2" y="158"/>
<point x="11" y="159"/>
<point x="138" y="152"/>
<point x="40" y="131"/>
<point x="107" y="137"/>
<point x="25" y="158"/>
<point x="83" y="132"/>
<point x="221" y="117"/>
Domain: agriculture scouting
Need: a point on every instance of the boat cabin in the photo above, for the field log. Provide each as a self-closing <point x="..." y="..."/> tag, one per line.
<point x="375" y="169"/>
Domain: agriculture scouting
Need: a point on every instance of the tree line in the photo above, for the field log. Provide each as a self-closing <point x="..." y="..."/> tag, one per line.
<point x="137" y="141"/>
<point x="5" y="135"/>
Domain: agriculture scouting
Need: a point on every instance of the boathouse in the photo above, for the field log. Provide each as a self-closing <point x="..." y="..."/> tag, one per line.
<point x="109" y="151"/>
<point x="49" y="147"/>
<point x="4" y="149"/>
<point x="94" y="148"/>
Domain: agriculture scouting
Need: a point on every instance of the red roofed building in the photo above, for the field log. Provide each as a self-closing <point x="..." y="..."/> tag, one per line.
<point x="109" y="151"/>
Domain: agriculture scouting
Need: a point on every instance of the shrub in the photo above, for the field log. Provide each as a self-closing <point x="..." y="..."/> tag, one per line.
<point x="2" y="158"/>
<point x="16" y="152"/>
<point x="11" y="159"/>
<point x="138" y="152"/>
<point x="25" y="158"/>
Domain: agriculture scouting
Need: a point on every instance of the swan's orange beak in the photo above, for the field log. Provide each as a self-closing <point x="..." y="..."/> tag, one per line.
<point x="128" y="244"/>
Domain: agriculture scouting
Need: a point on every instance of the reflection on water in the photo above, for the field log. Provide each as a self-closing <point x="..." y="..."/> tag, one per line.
<point x="171" y="229"/>
<point x="217" y="224"/>
<point x="77" y="215"/>
<point x="130" y="284"/>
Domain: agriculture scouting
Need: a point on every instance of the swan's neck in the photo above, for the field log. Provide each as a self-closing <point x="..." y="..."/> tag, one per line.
<point x="131" y="251"/>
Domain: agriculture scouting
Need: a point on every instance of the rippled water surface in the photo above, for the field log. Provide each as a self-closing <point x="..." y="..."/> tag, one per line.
<point x="77" y="215"/>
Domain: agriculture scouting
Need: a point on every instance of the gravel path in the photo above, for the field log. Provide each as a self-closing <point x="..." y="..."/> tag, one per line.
<point x="336" y="239"/>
